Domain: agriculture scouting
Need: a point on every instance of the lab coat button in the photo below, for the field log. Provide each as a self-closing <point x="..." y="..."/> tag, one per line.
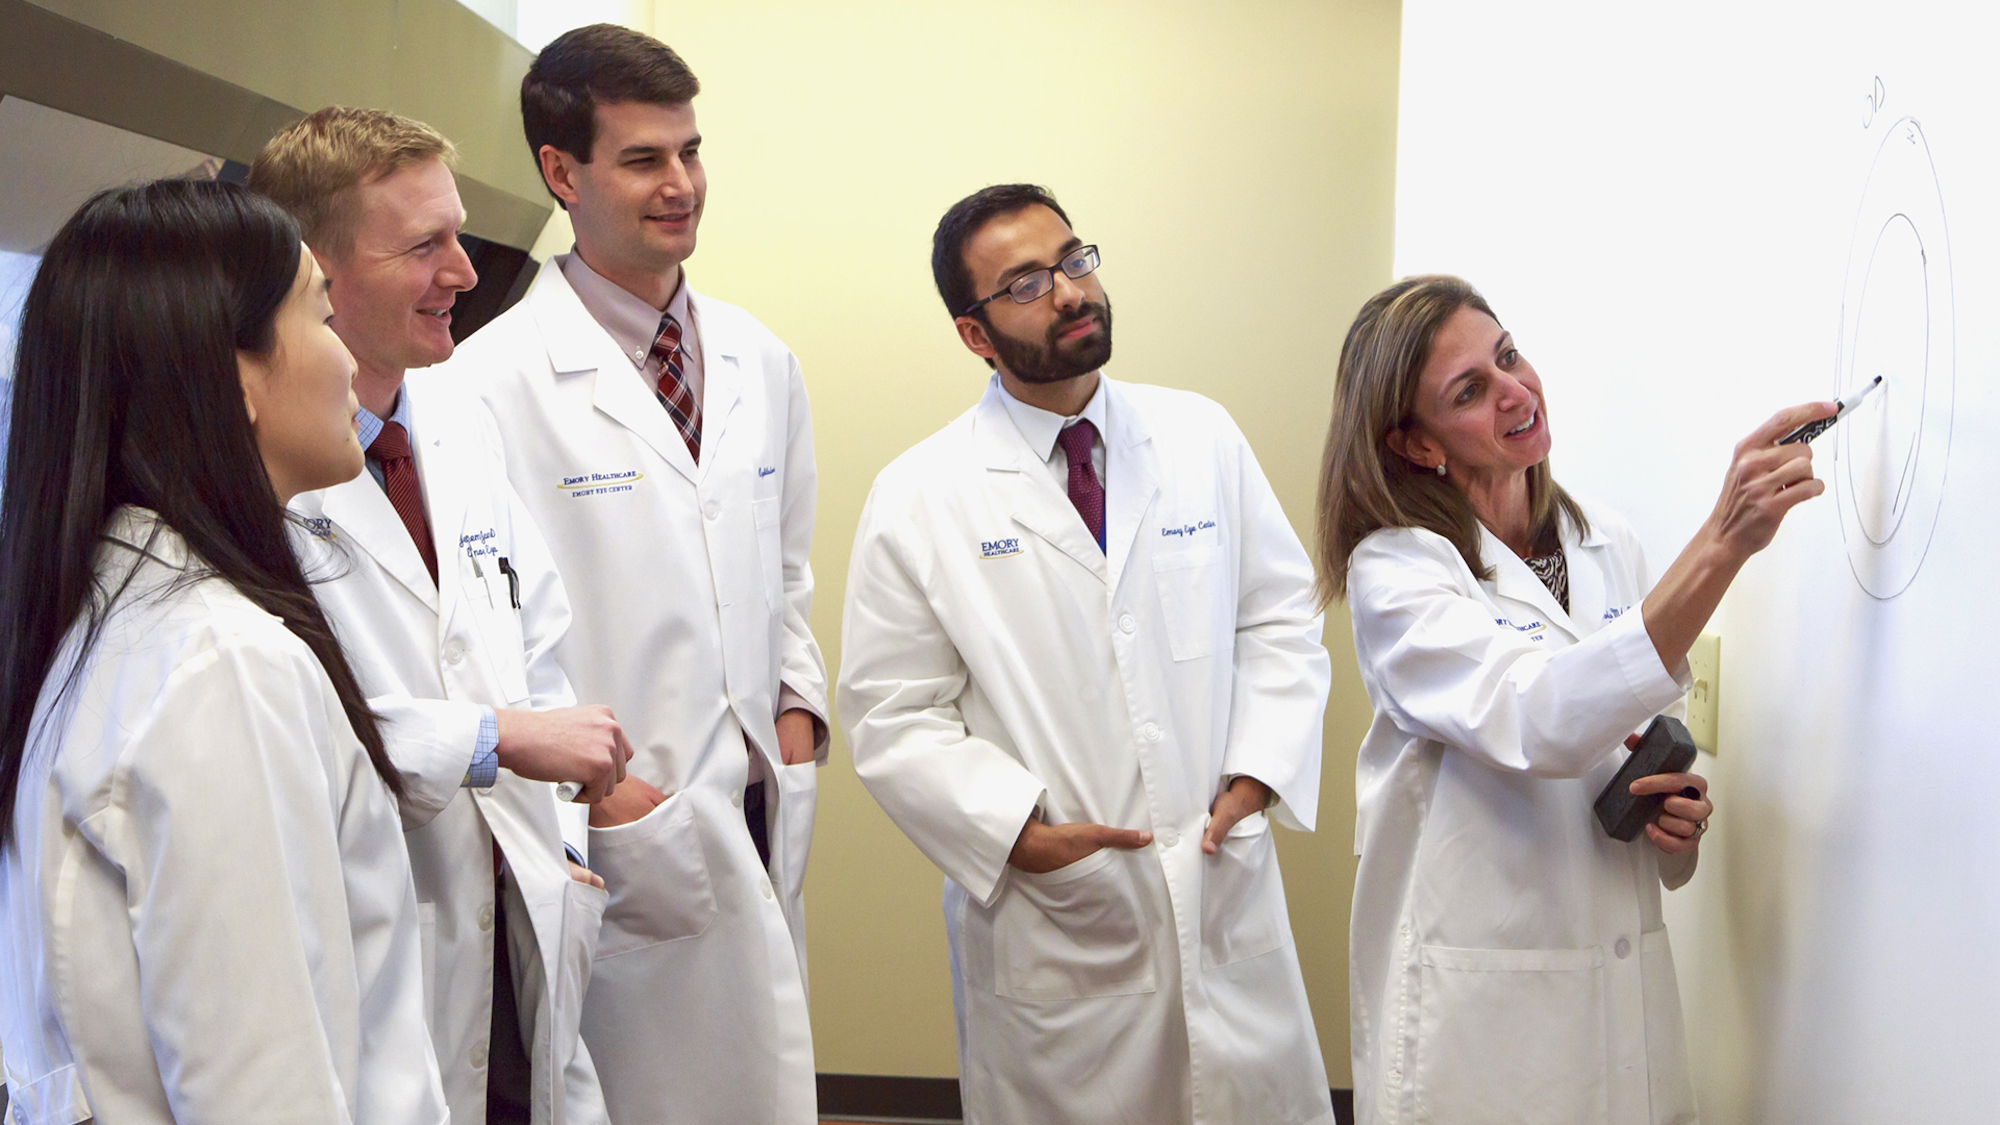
<point x="479" y="1054"/>
<point x="454" y="651"/>
<point x="486" y="917"/>
<point x="736" y="797"/>
<point x="1127" y="623"/>
<point x="1169" y="837"/>
<point x="1623" y="949"/>
<point x="711" y="509"/>
<point x="764" y="888"/>
<point x="1151" y="731"/>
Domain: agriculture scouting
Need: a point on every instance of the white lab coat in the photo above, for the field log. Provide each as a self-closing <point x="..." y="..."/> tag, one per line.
<point x="994" y="660"/>
<point x="1509" y="961"/>
<point x="691" y="590"/>
<point x="428" y="656"/>
<point x="207" y="908"/>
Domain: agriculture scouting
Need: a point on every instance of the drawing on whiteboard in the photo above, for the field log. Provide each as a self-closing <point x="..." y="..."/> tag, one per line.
<point x="1896" y="322"/>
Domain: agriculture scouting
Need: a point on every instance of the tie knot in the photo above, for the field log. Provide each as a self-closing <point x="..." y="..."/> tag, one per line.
<point x="391" y="444"/>
<point x="1076" y="439"/>
<point x="667" y="340"/>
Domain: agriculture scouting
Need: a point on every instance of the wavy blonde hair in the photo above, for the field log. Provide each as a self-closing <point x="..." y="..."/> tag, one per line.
<point x="313" y="165"/>
<point x="1363" y="484"/>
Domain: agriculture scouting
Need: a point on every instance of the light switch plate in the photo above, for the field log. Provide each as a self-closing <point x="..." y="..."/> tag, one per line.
<point x="1705" y="668"/>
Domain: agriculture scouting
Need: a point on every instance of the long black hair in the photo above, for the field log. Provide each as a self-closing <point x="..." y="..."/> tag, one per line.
<point x="127" y="391"/>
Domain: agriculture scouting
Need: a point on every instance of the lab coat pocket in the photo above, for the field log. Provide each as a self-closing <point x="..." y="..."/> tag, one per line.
<point x="500" y="627"/>
<point x="1192" y="600"/>
<point x="582" y="921"/>
<point x="1072" y="933"/>
<point x="56" y="1098"/>
<point x="1666" y="1038"/>
<point x="798" y="804"/>
<point x="427" y="942"/>
<point x="657" y="874"/>
<point x="770" y="548"/>
<point x="1513" y="1035"/>
<point x="1242" y="897"/>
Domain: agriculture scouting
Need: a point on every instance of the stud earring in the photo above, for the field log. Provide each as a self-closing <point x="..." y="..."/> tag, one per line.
<point x="1440" y="468"/>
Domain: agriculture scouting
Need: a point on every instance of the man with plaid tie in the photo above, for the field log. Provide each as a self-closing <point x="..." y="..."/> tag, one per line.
<point x="1082" y="671"/>
<point x="663" y="440"/>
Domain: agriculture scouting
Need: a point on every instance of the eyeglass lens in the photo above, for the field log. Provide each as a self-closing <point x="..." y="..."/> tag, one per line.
<point x="1032" y="287"/>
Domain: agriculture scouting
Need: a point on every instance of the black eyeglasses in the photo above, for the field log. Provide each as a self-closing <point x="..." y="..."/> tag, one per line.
<point x="1033" y="286"/>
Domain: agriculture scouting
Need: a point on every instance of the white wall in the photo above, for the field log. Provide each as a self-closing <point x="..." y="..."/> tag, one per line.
<point x="1669" y="206"/>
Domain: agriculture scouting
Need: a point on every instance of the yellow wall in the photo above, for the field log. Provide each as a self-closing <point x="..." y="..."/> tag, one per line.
<point x="1236" y="162"/>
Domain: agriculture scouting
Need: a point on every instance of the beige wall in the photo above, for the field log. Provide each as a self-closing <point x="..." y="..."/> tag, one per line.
<point x="1235" y="162"/>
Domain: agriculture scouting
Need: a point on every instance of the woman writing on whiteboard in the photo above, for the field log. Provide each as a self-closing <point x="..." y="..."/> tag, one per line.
<point x="205" y="906"/>
<point x="1509" y="961"/>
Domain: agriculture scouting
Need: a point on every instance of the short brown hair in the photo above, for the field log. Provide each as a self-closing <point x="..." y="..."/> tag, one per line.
<point x="1364" y="485"/>
<point x="602" y="63"/>
<point x="312" y="166"/>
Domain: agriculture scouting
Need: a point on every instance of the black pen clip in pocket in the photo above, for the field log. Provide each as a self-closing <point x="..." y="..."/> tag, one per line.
<point x="513" y="582"/>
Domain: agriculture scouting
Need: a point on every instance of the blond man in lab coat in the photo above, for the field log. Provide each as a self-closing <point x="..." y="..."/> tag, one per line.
<point x="444" y="595"/>
<point x="663" y="440"/>
<point x="1082" y="670"/>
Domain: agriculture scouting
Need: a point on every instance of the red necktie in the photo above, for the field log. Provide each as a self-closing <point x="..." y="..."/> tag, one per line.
<point x="399" y="479"/>
<point x="1085" y="491"/>
<point x="674" y="393"/>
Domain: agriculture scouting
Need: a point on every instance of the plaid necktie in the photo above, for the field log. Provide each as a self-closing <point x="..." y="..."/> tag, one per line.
<point x="399" y="479"/>
<point x="673" y="392"/>
<point x="1085" y="491"/>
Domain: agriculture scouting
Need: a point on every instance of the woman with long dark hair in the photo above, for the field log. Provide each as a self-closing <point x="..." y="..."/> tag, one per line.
<point x="205" y="905"/>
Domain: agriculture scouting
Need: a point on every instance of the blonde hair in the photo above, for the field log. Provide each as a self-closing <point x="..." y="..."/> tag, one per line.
<point x="312" y="167"/>
<point x="1365" y="486"/>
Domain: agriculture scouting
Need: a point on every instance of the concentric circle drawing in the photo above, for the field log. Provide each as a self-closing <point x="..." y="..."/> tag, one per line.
<point x="1896" y="322"/>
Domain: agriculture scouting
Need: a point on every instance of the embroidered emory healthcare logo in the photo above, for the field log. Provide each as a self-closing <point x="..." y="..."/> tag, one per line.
<point x="599" y="484"/>
<point x="998" y="548"/>
<point x="320" y="527"/>
<point x="1531" y="627"/>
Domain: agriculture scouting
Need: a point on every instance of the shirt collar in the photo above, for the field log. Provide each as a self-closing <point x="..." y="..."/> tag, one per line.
<point x="371" y="426"/>
<point x="631" y="323"/>
<point x="1041" y="427"/>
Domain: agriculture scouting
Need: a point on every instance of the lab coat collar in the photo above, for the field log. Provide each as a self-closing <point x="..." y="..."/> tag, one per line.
<point x="577" y="344"/>
<point x="1512" y="579"/>
<point x="1034" y="501"/>
<point x="1040" y="428"/>
<point x="362" y="510"/>
<point x="147" y="535"/>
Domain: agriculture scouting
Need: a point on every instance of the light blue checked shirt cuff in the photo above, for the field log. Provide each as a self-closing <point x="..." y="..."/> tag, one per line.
<point x="485" y="767"/>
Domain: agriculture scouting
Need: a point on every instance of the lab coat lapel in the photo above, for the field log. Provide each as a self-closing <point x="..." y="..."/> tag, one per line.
<point x="722" y="380"/>
<point x="1513" y="579"/>
<point x="1587" y="596"/>
<point x="1131" y="479"/>
<point x="362" y="510"/>
<point x="1033" y="501"/>
<point x="445" y="497"/>
<point x="578" y="344"/>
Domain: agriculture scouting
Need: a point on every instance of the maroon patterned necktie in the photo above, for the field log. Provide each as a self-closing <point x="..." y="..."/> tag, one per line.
<point x="673" y="392"/>
<point x="399" y="479"/>
<point x="1085" y="491"/>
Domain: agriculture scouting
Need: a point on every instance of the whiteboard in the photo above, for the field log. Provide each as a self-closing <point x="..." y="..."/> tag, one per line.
<point x="1691" y="215"/>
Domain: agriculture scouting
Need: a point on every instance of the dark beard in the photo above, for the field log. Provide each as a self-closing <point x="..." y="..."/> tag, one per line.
<point x="1050" y="361"/>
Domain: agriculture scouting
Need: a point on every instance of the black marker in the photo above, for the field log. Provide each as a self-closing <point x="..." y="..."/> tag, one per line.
<point x="1819" y="426"/>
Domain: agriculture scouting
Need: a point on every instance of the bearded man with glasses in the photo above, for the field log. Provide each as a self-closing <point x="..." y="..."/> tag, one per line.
<point x="1082" y="671"/>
